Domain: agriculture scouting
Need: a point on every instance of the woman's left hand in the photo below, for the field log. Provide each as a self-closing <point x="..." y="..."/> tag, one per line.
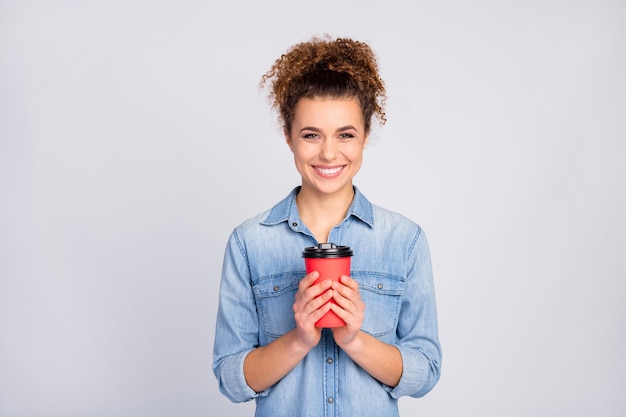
<point x="350" y="308"/>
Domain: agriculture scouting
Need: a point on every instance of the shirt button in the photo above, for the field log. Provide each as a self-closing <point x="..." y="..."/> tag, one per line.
<point x="380" y="286"/>
<point x="294" y="224"/>
<point x="276" y="288"/>
<point x="329" y="360"/>
<point x="331" y="400"/>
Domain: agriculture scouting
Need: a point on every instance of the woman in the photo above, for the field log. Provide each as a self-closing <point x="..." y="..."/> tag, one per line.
<point x="266" y="344"/>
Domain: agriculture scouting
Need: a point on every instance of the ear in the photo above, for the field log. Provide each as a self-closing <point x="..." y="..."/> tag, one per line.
<point x="365" y="139"/>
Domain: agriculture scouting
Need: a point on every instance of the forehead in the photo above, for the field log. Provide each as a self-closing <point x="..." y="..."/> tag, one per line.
<point x="328" y="111"/>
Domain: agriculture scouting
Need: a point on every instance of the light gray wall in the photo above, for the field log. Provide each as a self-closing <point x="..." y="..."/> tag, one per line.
<point x="133" y="139"/>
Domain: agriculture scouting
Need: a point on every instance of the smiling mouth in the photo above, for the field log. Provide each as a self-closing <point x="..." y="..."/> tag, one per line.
<point x="329" y="171"/>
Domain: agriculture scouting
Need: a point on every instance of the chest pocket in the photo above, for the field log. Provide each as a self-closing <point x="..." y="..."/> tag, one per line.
<point x="381" y="294"/>
<point x="275" y="296"/>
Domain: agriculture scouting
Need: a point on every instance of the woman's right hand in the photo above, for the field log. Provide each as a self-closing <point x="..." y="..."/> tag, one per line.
<point x="266" y="365"/>
<point x="310" y="305"/>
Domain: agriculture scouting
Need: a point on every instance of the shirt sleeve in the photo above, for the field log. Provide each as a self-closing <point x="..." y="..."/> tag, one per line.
<point x="417" y="332"/>
<point x="237" y="328"/>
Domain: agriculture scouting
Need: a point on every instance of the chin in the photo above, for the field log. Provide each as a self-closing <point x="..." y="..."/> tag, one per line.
<point x="332" y="189"/>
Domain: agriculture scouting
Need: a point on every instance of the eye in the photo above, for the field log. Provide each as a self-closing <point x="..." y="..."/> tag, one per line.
<point x="346" y="136"/>
<point x="310" y="136"/>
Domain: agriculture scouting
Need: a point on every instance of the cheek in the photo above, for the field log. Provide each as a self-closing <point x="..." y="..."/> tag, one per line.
<point x="300" y="158"/>
<point x="356" y="155"/>
<point x="304" y="151"/>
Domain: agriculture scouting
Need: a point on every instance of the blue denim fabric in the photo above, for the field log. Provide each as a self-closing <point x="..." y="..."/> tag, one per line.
<point x="262" y="267"/>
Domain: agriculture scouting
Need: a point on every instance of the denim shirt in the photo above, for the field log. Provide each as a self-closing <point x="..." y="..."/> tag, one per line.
<point x="262" y="267"/>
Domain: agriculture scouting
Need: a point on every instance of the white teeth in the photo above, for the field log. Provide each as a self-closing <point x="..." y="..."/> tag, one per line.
<point x="329" y="171"/>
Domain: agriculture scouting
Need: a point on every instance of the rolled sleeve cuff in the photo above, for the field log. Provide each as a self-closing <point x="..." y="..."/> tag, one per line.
<point x="418" y="376"/>
<point x="233" y="382"/>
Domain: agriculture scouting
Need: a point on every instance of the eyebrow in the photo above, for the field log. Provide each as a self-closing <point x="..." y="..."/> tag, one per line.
<point x="349" y="127"/>
<point x="341" y="129"/>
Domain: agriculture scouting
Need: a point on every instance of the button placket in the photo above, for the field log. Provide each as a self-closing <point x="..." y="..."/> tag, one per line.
<point x="330" y="352"/>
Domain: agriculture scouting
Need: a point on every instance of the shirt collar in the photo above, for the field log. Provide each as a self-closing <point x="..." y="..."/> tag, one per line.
<point x="287" y="210"/>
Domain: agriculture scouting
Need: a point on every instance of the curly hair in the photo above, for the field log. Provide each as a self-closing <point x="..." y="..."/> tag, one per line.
<point x="326" y="68"/>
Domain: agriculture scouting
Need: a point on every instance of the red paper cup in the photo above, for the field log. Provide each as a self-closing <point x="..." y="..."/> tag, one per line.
<point x="331" y="262"/>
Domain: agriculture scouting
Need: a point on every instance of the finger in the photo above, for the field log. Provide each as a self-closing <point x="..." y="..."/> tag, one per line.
<point x="349" y="282"/>
<point x="319" y="313"/>
<point x="317" y="302"/>
<point x="312" y="297"/>
<point x="350" y="314"/>
<point x="343" y="301"/>
<point x="314" y="310"/>
<point x="305" y="284"/>
<point x="342" y="314"/>
<point x="349" y="292"/>
<point x="314" y="291"/>
<point x="308" y="280"/>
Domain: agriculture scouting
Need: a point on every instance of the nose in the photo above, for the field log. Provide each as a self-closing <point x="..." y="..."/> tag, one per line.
<point x="329" y="149"/>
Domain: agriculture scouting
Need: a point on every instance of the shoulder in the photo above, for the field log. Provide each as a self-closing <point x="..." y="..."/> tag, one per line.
<point x="385" y="223"/>
<point x="389" y="219"/>
<point x="276" y="215"/>
<point x="400" y="229"/>
<point x="251" y="227"/>
<point x="253" y="222"/>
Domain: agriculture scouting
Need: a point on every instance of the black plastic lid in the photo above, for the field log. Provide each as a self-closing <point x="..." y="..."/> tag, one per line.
<point x="327" y="250"/>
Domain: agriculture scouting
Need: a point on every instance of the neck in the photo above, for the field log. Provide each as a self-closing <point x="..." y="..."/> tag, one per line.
<point x="321" y="212"/>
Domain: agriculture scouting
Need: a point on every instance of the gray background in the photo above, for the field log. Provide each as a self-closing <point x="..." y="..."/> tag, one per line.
<point x="133" y="139"/>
